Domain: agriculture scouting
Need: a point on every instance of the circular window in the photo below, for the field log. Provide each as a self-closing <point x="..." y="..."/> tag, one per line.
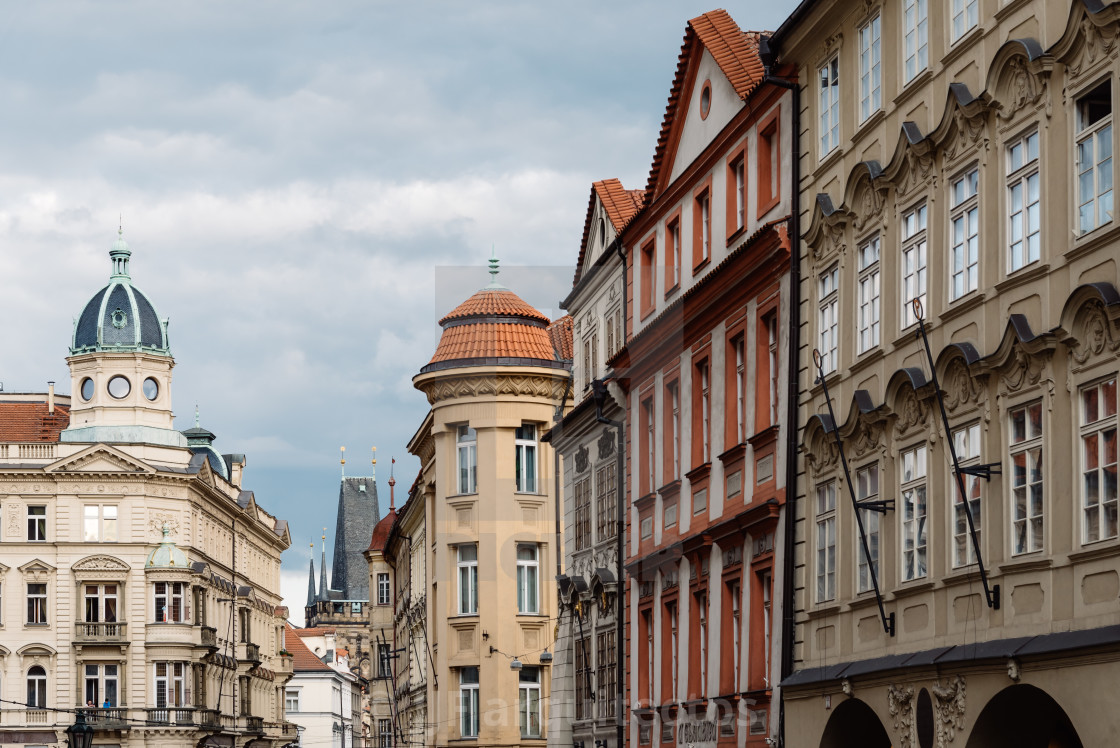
<point x="120" y="319"/>
<point x="705" y="100"/>
<point x="119" y="387"/>
<point x="151" y="388"/>
<point x="87" y="389"/>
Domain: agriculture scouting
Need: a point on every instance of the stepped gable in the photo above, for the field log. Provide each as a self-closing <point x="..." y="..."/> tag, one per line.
<point x="22" y="421"/>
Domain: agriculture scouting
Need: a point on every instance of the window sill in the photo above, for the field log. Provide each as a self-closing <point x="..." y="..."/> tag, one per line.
<point x="672" y="289"/>
<point x="868" y="124"/>
<point x="957" y="47"/>
<point x="966" y="303"/>
<point x="1095" y="239"/>
<point x="701" y="265"/>
<point x="1026" y="274"/>
<point x="36" y="625"/>
<point x="1099" y="549"/>
<point x="914" y="85"/>
<point x="1026" y="562"/>
<point x="867" y="358"/>
<point x="827" y="159"/>
<point x="914" y="587"/>
<point x="735" y="235"/>
<point x="1010" y="8"/>
<point x="462" y="495"/>
<point x="824" y="610"/>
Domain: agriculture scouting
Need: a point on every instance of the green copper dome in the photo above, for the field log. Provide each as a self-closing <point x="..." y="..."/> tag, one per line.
<point x="166" y="555"/>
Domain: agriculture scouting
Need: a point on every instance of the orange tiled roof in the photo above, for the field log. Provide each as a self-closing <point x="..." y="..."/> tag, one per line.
<point x="494" y="302"/>
<point x="30" y="422"/>
<point x="560" y="333"/>
<point x="736" y="53"/>
<point x="494" y="323"/>
<point x="302" y="656"/>
<point x="620" y="205"/>
<point x="381" y="531"/>
<point x="314" y="631"/>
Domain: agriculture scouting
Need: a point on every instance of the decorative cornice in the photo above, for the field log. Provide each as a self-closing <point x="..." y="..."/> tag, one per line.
<point x="493" y="385"/>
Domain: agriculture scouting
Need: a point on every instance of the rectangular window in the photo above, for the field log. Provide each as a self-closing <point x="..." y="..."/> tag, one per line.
<point x="735" y="594"/>
<point x="467" y="440"/>
<point x="101" y="685"/>
<point x="769" y="162"/>
<point x="771" y="322"/>
<point x="870" y="73"/>
<point x="704" y="381"/>
<point x="99" y="523"/>
<point x="867" y="489"/>
<point x="468" y="579"/>
<point x="529" y="701"/>
<point x="700" y="501"/>
<point x="169" y="606"/>
<point x="583" y="514"/>
<point x="101" y="603"/>
<point x="1026" y="478"/>
<point x="37" y="524"/>
<point x="674" y="642"/>
<point x="383" y="588"/>
<point x="583" y="678"/>
<point x="468" y="702"/>
<point x="738" y="185"/>
<point x="1098" y="461"/>
<point x="36" y="603"/>
<point x="917" y="37"/>
<point x="1094" y="158"/>
<point x="673" y="432"/>
<point x="739" y="382"/>
<point x="291" y="700"/>
<point x="826" y="542"/>
<point x="702" y="645"/>
<point x="384" y="733"/>
<point x="606" y="489"/>
<point x="965" y="17"/>
<point x="605" y="673"/>
<point x="525" y="466"/>
<point x="966" y="441"/>
<point x="828" y="317"/>
<point x="673" y="253"/>
<point x="829" y="103"/>
<point x="650" y="439"/>
<point x="648" y="273"/>
<point x="245" y="695"/>
<point x="964" y="234"/>
<point x="528" y="579"/>
<point x="1023" y="201"/>
<point x="702" y="228"/>
<point x="869" y="313"/>
<point x="384" y="663"/>
<point x="913" y="263"/>
<point x="171" y="685"/>
<point x="913" y="487"/>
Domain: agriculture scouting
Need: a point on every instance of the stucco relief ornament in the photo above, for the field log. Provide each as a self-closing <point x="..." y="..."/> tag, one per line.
<point x="582" y="459"/>
<point x="912" y="413"/>
<point x="1096" y="42"/>
<point x="1094" y="336"/>
<point x="866" y="438"/>
<point x="1024" y="89"/>
<point x="159" y="520"/>
<point x="822" y="453"/>
<point x="606" y="444"/>
<point x="949" y="706"/>
<point x="13" y="520"/>
<point x="958" y="386"/>
<point x="1022" y="369"/>
<point x="900" y="704"/>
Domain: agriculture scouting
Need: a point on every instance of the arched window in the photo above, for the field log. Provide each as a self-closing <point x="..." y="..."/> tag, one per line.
<point x="36" y="687"/>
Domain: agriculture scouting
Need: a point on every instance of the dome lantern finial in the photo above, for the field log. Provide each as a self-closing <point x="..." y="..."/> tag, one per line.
<point x="118" y="255"/>
<point x="494" y="269"/>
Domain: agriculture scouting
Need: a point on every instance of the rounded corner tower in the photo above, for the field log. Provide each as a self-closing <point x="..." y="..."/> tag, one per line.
<point x="120" y="365"/>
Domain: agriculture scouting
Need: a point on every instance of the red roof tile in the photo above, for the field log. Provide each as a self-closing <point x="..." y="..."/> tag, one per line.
<point x="494" y="323"/>
<point x="494" y="302"/>
<point x="381" y="531"/>
<point x="620" y="205"/>
<point x="560" y="332"/>
<point x="30" y="422"/>
<point x="302" y="657"/>
<point x="736" y="53"/>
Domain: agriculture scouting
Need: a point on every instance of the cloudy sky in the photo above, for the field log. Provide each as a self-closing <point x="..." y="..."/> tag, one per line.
<point x="306" y="187"/>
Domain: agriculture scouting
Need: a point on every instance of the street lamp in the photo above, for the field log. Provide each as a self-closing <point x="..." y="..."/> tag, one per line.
<point x="79" y="734"/>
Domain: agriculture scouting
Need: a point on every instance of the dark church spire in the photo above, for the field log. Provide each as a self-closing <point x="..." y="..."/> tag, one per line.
<point x="323" y="571"/>
<point x="311" y="579"/>
<point x="358" y="513"/>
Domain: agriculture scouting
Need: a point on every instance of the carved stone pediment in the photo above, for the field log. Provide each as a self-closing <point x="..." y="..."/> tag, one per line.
<point x="820" y="451"/>
<point x="37" y="571"/>
<point x="1022" y="369"/>
<point x="101" y="563"/>
<point x="606" y="444"/>
<point x="100" y="458"/>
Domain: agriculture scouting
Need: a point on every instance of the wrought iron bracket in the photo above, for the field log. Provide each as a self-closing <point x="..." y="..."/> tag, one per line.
<point x="882" y="506"/>
<point x="985" y="471"/>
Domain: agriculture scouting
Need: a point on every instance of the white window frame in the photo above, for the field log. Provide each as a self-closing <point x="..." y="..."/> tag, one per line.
<point x="739" y="169"/>
<point x="740" y="388"/>
<point x="1024" y="228"/>
<point x="735" y="592"/>
<point x="870" y="68"/>
<point x="528" y="578"/>
<point x="826" y="541"/>
<point x="101" y="596"/>
<point x="705" y="201"/>
<point x="828" y="101"/>
<point x="99" y="523"/>
<point x="1098" y="461"/>
<point x="674" y="229"/>
<point x="37" y="611"/>
<point x="468" y="702"/>
<point x="525" y="444"/>
<point x="36" y="523"/>
<point x="964" y="233"/>
<point x="966" y="441"/>
<point x="291" y="700"/>
<point x="828" y="313"/>
<point x="175" y="681"/>
<point x="705" y="376"/>
<point x="467" y="564"/>
<point x="1090" y="140"/>
<point x="915" y="262"/>
<point x="651" y="439"/>
<point x="674" y="644"/>
<point x="1028" y="495"/>
<point x="675" y="424"/>
<point x="867" y="489"/>
<point x="36" y="694"/>
<point x="384" y="590"/>
<point x="868" y="286"/>
<point x="701" y="600"/>
<point x="100" y="676"/>
<point x="772" y="352"/>
<point x="529" y="707"/>
<point x="466" y="440"/>
<point x="964" y="16"/>
<point x="916" y="38"/>
<point x="914" y="546"/>
<point x="171" y="594"/>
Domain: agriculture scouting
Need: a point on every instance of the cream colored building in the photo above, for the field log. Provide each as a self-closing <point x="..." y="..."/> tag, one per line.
<point x="136" y="573"/>
<point x="382" y="630"/>
<point x="960" y="153"/>
<point x="495" y="384"/>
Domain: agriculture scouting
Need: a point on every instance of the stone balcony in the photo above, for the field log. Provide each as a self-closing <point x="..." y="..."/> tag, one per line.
<point x="249" y="653"/>
<point x="172" y="633"/>
<point x="285" y="665"/>
<point x="16" y="452"/>
<point x="101" y="633"/>
<point x="171" y="716"/>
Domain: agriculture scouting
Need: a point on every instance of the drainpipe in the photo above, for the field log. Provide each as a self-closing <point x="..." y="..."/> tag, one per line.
<point x="599" y="392"/>
<point x="793" y="392"/>
<point x="558" y="429"/>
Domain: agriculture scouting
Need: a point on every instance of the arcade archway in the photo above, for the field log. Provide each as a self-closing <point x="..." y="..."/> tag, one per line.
<point x="854" y="725"/>
<point x="1023" y="716"/>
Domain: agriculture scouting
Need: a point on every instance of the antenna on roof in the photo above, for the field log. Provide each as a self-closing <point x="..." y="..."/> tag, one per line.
<point x="373" y="461"/>
<point x="196" y="421"/>
<point x="494" y="269"/>
<point x="343" y="463"/>
<point x="392" y="483"/>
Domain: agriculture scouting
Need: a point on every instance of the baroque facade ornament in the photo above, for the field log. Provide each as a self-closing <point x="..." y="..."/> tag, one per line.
<point x="821" y="452"/>
<point x="498" y="384"/>
<point x="1024" y="88"/>
<point x="866" y="438"/>
<point x="911" y="412"/>
<point x="13" y="521"/>
<point x="582" y="458"/>
<point x="1022" y="369"/>
<point x="949" y="707"/>
<point x="158" y="520"/>
<point x="900" y="704"/>
<point x="100" y="563"/>
<point x="961" y="388"/>
<point x="1096" y="43"/>
<point x="1093" y="334"/>
<point x="606" y="444"/>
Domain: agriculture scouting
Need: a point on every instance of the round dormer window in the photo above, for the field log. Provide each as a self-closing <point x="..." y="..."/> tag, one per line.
<point x="87" y="389"/>
<point x="120" y="319"/>
<point x="151" y="388"/>
<point x="705" y="100"/>
<point x="119" y="387"/>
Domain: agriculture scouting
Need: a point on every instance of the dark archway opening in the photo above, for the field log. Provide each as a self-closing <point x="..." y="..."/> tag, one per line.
<point x="1023" y="716"/>
<point x="854" y="725"/>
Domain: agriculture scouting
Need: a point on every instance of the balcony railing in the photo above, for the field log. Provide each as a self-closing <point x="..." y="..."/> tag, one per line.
<point x="113" y="718"/>
<point x="31" y="451"/>
<point x="178" y="716"/>
<point x="100" y="632"/>
<point x="208" y="637"/>
<point x="254" y="724"/>
<point x="253" y="653"/>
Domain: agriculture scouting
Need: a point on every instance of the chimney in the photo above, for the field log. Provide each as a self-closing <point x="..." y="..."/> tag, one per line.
<point x="50" y="398"/>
